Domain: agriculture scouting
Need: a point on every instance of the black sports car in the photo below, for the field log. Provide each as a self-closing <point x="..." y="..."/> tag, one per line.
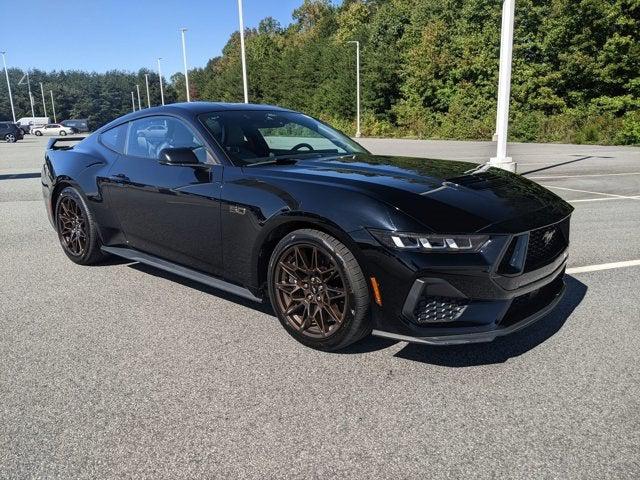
<point x="269" y="203"/>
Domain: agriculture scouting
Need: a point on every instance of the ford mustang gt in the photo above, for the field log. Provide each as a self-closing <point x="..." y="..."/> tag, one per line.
<point x="273" y="205"/>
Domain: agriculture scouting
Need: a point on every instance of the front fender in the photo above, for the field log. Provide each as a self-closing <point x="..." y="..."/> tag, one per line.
<point x="256" y="212"/>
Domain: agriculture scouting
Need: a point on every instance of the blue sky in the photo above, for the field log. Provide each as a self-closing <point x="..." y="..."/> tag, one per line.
<point x="119" y="34"/>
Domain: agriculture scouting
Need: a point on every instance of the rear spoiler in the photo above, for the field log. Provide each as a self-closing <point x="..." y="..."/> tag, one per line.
<point x="52" y="143"/>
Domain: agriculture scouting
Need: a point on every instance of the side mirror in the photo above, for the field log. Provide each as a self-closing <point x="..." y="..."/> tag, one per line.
<point x="178" y="156"/>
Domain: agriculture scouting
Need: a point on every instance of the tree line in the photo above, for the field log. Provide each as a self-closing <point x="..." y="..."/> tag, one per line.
<point x="429" y="70"/>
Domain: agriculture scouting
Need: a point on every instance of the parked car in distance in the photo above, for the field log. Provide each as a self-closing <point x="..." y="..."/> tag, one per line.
<point x="10" y="132"/>
<point x="80" y="125"/>
<point x="275" y="206"/>
<point x="52" y="129"/>
<point x="155" y="131"/>
<point x="27" y="124"/>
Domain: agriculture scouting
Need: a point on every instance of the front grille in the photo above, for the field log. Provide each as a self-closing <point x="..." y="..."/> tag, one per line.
<point x="530" y="303"/>
<point x="433" y="309"/>
<point x="545" y="244"/>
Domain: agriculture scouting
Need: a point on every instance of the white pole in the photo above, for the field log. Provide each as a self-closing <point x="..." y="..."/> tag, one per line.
<point x="358" y="133"/>
<point x="33" y="114"/>
<point x="139" y="104"/>
<point x="6" y="73"/>
<point x="133" y="103"/>
<point x="242" y="52"/>
<point x="160" y="76"/>
<point x="146" y="81"/>
<point x="53" y="105"/>
<point x="44" y="104"/>
<point x="504" y="88"/>
<point x="184" y="58"/>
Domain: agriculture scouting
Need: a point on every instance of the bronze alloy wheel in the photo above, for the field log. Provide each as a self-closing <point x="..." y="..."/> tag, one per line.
<point x="310" y="291"/>
<point x="72" y="226"/>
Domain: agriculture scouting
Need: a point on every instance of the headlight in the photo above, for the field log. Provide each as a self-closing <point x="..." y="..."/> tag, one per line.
<point x="430" y="242"/>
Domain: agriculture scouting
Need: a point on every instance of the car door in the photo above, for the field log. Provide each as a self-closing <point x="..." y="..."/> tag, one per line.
<point x="171" y="211"/>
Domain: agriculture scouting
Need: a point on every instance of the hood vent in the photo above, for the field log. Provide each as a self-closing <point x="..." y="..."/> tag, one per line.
<point x="480" y="180"/>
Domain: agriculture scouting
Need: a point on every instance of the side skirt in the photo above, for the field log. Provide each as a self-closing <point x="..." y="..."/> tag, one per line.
<point x="137" y="256"/>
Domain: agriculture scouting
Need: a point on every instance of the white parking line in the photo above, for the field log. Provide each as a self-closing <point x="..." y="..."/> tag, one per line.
<point x="603" y="266"/>
<point x="593" y="193"/>
<point x="602" y="199"/>
<point x="550" y="177"/>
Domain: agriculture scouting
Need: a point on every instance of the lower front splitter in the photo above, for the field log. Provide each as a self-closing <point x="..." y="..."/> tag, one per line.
<point x="475" y="337"/>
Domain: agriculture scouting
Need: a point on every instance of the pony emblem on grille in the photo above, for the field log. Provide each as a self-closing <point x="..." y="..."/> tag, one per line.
<point x="548" y="236"/>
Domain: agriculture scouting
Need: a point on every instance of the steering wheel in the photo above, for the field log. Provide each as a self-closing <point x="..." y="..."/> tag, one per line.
<point x="301" y="145"/>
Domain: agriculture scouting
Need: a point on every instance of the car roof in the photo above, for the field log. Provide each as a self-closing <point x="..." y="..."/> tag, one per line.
<point x="191" y="109"/>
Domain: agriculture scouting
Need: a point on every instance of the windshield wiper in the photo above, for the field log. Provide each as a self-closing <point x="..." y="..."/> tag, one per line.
<point x="289" y="159"/>
<point x="275" y="161"/>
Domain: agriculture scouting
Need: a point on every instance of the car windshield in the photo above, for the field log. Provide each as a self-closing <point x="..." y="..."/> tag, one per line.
<point x="252" y="137"/>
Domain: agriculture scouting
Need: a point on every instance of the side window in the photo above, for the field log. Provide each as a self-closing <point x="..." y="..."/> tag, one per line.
<point x="114" y="138"/>
<point x="149" y="136"/>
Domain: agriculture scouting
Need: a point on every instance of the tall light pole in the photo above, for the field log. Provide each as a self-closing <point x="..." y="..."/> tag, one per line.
<point x="242" y="53"/>
<point x="133" y="103"/>
<point x="33" y="113"/>
<point x="357" y="86"/>
<point x="160" y="77"/>
<point x="504" y="88"/>
<point x="53" y="105"/>
<point x="30" y="95"/>
<point x="146" y="81"/>
<point x="184" y="58"/>
<point x="6" y="73"/>
<point x="44" y="104"/>
<point x="139" y="104"/>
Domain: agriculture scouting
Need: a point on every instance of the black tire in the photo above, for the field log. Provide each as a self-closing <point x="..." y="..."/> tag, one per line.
<point x="356" y="322"/>
<point x="10" y="138"/>
<point x="63" y="133"/>
<point x="90" y="252"/>
<point x="38" y="133"/>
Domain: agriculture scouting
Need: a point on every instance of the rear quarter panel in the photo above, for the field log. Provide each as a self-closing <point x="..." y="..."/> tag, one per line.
<point x="85" y="167"/>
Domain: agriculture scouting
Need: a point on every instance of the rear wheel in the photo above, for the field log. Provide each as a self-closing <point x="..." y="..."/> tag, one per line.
<point x="77" y="230"/>
<point x="318" y="290"/>
<point x="10" y="138"/>
<point x="63" y="133"/>
<point x="38" y="133"/>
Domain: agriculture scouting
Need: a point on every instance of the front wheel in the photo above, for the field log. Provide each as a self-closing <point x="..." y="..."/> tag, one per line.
<point x="38" y="133"/>
<point x="63" y="133"/>
<point x="10" y="138"/>
<point x="318" y="290"/>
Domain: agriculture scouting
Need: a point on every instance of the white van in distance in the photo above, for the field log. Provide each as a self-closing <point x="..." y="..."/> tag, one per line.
<point x="28" y="123"/>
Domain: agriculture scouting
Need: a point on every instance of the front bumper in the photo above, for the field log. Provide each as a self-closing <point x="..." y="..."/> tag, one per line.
<point x="461" y="335"/>
<point x="459" y="299"/>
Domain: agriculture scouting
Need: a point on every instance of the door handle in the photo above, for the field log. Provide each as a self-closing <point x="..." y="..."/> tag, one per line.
<point x="120" y="176"/>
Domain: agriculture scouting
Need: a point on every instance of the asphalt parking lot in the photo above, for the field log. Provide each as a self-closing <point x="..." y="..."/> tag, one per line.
<point x="123" y="371"/>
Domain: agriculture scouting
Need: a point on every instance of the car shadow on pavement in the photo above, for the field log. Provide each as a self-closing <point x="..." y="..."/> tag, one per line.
<point x="498" y="351"/>
<point x="502" y="348"/>
<point x="260" y="307"/>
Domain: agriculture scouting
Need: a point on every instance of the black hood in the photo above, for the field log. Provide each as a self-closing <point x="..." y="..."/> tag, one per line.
<point x="445" y="196"/>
